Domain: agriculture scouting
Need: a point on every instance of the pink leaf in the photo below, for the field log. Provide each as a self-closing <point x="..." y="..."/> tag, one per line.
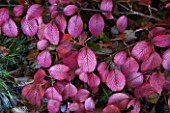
<point x="10" y="28"/>
<point x="120" y="100"/>
<point x="120" y="58"/>
<point x="141" y="51"/>
<point x="34" y="11"/>
<point x="166" y="60"/>
<point x="161" y="40"/>
<point x="84" y="77"/>
<point x="44" y="59"/>
<point x="122" y="23"/>
<point x="75" y="26"/>
<point x="145" y="2"/>
<point x="18" y="10"/>
<point x="111" y="109"/>
<point x="53" y="8"/>
<point x="73" y="106"/>
<point x="40" y="32"/>
<point x="136" y="106"/>
<point x="87" y="60"/>
<point x="61" y="22"/>
<point x="39" y="76"/>
<point x="59" y="71"/>
<point x="89" y="104"/>
<point x="103" y="71"/>
<point x="130" y="66"/>
<point x="81" y="95"/>
<point x="81" y="109"/>
<point x="115" y="80"/>
<point x="29" y="27"/>
<point x="69" y="91"/>
<point x="4" y="15"/>
<point x="96" y="25"/>
<point x="53" y="1"/>
<point x="51" y="93"/>
<point x="51" y="33"/>
<point x="53" y="106"/>
<point x="94" y="89"/>
<point x="70" y="10"/>
<point x="59" y="86"/>
<point x="42" y="44"/>
<point x="82" y="38"/>
<point x="169" y="102"/>
<point x="106" y="5"/>
<point x="167" y="5"/>
<point x="152" y="62"/>
<point x="157" y="81"/>
<point x="93" y="80"/>
<point x="156" y="31"/>
<point x="134" y="80"/>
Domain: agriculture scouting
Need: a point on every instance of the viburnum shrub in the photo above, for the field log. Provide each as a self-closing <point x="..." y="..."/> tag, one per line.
<point x="84" y="47"/>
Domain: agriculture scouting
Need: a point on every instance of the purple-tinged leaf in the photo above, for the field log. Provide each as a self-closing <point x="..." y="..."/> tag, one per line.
<point x="18" y="10"/>
<point x="4" y="15"/>
<point x="59" y="71"/>
<point x="111" y="109"/>
<point x="75" y="26"/>
<point x="119" y="99"/>
<point x="59" y="86"/>
<point x="161" y="40"/>
<point x="40" y="32"/>
<point x="81" y="95"/>
<point x="39" y="76"/>
<point x="54" y="14"/>
<point x="93" y="80"/>
<point x="29" y="27"/>
<point x="61" y="22"/>
<point x="44" y="59"/>
<point x="42" y="44"/>
<point x="87" y="60"/>
<point x="156" y="31"/>
<point x="96" y="25"/>
<point x="53" y="106"/>
<point x="108" y="15"/>
<point x="103" y="71"/>
<point x="69" y="91"/>
<point x="82" y="38"/>
<point x="157" y="81"/>
<point x="73" y="106"/>
<point x="34" y="11"/>
<point x="122" y="23"/>
<point x="166" y="60"/>
<point x="51" y="33"/>
<point x="152" y="62"/>
<point x="136" y="106"/>
<point x="84" y="77"/>
<point x="51" y="93"/>
<point x="130" y="66"/>
<point x="70" y="10"/>
<point x="53" y="1"/>
<point x="94" y="89"/>
<point x="115" y="80"/>
<point x="10" y="28"/>
<point x="167" y="85"/>
<point x="53" y="8"/>
<point x="81" y="109"/>
<point x="89" y="104"/>
<point x="120" y="58"/>
<point x="142" y="50"/>
<point x="106" y="5"/>
<point x="169" y="102"/>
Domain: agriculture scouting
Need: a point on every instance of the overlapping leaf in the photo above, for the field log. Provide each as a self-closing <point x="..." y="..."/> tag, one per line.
<point x="89" y="104"/>
<point x="120" y="58"/>
<point x="136" y="106"/>
<point x="61" y="22"/>
<point x="81" y="95"/>
<point x="69" y="91"/>
<point x="156" y="31"/>
<point x="103" y="71"/>
<point x="161" y="40"/>
<point x="53" y="106"/>
<point x="39" y="76"/>
<point x="93" y="80"/>
<point x="166" y="60"/>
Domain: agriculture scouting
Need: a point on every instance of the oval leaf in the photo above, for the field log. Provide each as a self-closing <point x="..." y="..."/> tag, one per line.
<point x="106" y="5"/>
<point x="93" y="80"/>
<point x="42" y="44"/>
<point x="18" y="10"/>
<point x="53" y="106"/>
<point x="161" y="40"/>
<point x="120" y="58"/>
<point x="61" y="22"/>
<point x="69" y="91"/>
<point x="70" y="10"/>
<point x="166" y="60"/>
<point x="122" y="23"/>
<point x="111" y="109"/>
<point x="89" y="104"/>
<point x="96" y="25"/>
<point x="4" y="15"/>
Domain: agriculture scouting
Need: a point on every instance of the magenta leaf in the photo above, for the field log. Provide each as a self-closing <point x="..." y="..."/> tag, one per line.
<point x="44" y="59"/>
<point x="70" y="10"/>
<point x="40" y="32"/>
<point x="115" y="80"/>
<point x="34" y="11"/>
<point x="87" y="60"/>
<point x="130" y="66"/>
<point x="61" y="22"/>
<point x="161" y="40"/>
<point x="69" y="91"/>
<point x="156" y="31"/>
<point x="96" y="25"/>
<point x="120" y="58"/>
<point x="81" y="95"/>
<point x="53" y="106"/>
<point x="10" y="28"/>
<point x="122" y="23"/>
<point x="82" y="38"/>
<point x="136" y="106"/>
<point x="166" y="60"/>
<point x="81" y="109"/>
<point x="59" y="71"/>
<point x="29" y="27"/>
<point x="152" y="62"/>
<point x="157" y="81"/>
<point x="53" y="8"/>
<point x="169" y="102"/>
<point x="59" y="86"/>
<point x="73" y="106"/>
<point x="120" y="100"/>
<point x="103" y="71"/>
<point x="111" y="109"/>
<point x="93" y="80"/>
<point x="94" y="89"/>
<point x="18" y="10"/>
<point x="39" y="76"/>
<point x="141" y="51"/>
<point x="84" y="77"/>
<point x="75" y="26"/>
<point x="106" y="5"/>
<point x="42" y="44"/>
<point x="51" y="33"/>
<point x="89" y="104"/>
<point x="53" y="1"/>
<point x="51" y="93"/>
<point x="4" y="15"/>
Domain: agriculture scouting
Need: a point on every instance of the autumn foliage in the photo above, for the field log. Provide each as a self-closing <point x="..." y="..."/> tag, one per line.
<point x="74" y="70"/>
